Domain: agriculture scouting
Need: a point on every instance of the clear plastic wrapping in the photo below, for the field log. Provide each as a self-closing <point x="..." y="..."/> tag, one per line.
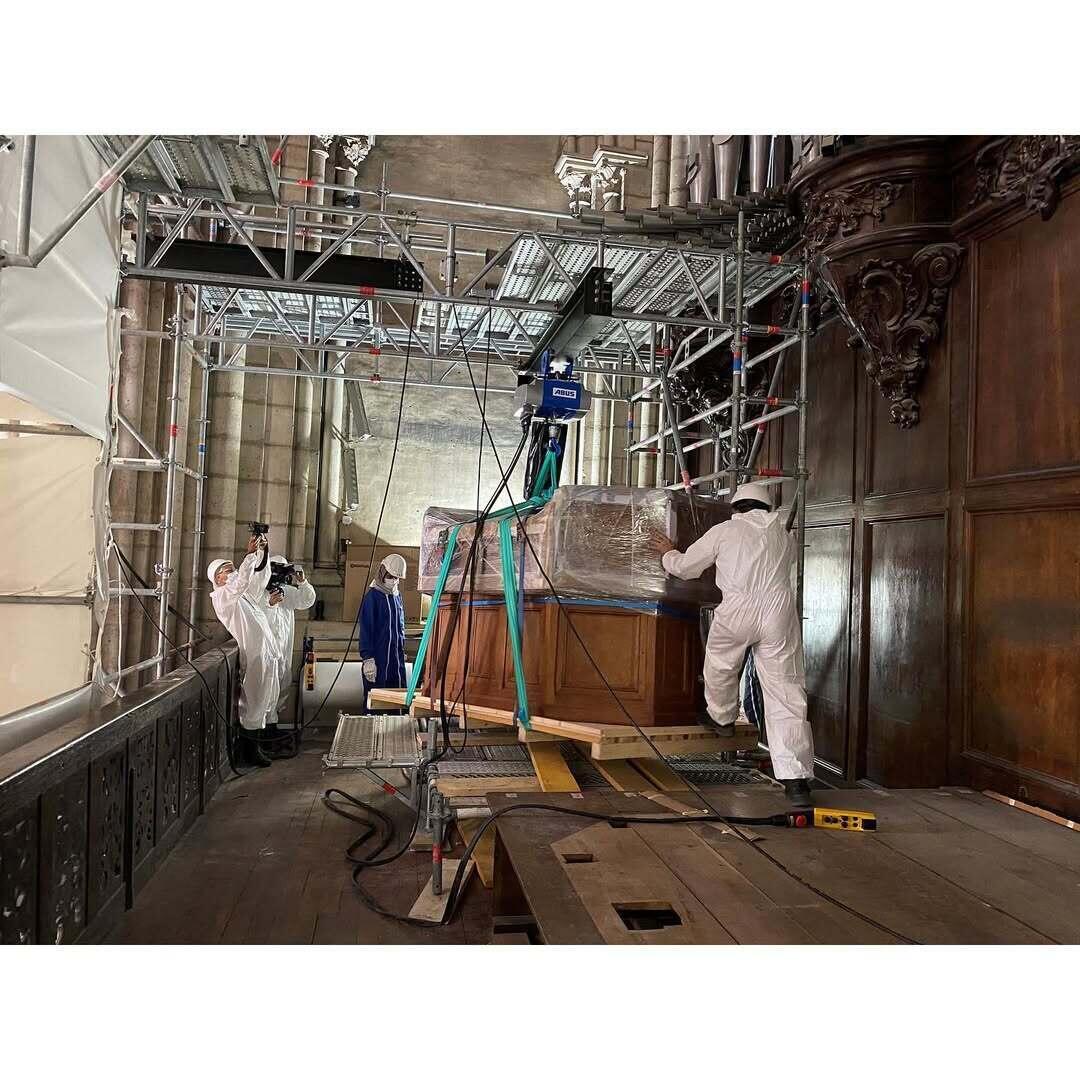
<point x="592" y="541"/>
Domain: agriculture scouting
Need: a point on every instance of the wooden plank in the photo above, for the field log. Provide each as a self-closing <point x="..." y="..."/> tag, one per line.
<point x="867" y="875"/>
<point x="483" y="785"/>
<point x="622" y="775"/>
<point x="672" y="741"/>
<point x="607" y="741"/>
<point x="1038" y="811"/>
<point x="430" y="907"/>
<point x="621" y="870"/>
<point x="741" y="908"/>
<point x="662" y="775"/>
<point x="552" y="772"/>
<point x="1043" y="838"/>
<point x="484" y="852"/>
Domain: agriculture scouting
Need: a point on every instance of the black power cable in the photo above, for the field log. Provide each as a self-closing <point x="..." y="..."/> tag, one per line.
<point x="378" y="527"/>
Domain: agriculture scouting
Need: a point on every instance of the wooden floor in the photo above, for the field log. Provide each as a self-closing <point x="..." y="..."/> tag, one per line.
<point x="265" y="864"/>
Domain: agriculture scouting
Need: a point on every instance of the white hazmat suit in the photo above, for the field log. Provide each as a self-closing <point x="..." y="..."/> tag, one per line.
<point x="754" y="557"/>
<point x="282" y="620"/>
<point x="260" y="656"/>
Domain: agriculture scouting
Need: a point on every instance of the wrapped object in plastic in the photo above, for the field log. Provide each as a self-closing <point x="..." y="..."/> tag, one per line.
<point x="591" y="541"/>
<point x="435" y="532"/>
<point x="597" y="542"/>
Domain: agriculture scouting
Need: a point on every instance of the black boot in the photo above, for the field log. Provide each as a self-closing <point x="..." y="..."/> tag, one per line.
<point x="253" y="752"/>
<point x="797" y="792"/>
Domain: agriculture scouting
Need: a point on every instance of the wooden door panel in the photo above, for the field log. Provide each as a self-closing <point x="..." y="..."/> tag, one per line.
<point x="1024" y="660"/>
<point x="1025" y="402"/>
<point x="826" y="639"/>
<point x="906" y="684"/>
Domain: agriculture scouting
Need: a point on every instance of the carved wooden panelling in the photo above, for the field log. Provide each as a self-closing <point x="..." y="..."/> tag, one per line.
<point x="168" y="773"/>
<point x="825" y="638"/>
<point x="906" y="738"/>
<point x="143" y="787"/>
<point x="105" y="864"/>
<point x="917" y="459"/>
<point x="18" y="876"/>
<point x="210" y="745"/>
<point x="833" y="380"/>
<point x="1024" y="661"/>
<point x="62" y="868"/>
<point x="191" y="743"/>
<point x="1025" y="406"/>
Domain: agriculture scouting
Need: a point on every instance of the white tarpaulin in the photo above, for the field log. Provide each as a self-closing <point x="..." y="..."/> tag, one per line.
<point x="55" y="319"/>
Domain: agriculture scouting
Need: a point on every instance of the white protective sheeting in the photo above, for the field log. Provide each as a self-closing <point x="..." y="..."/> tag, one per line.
<point x="46" y="549"/>
<point x="55" y="320"/>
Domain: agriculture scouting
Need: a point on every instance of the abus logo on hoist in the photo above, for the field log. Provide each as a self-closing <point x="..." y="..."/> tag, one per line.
<point x="558" y="391"/>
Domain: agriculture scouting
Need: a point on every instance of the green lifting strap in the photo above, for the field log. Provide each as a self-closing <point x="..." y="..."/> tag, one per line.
<point x="429" y="626"/>
<point x="543" y="489"/>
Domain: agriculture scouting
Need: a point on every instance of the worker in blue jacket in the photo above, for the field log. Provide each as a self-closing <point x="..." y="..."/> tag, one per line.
<point x="382" y="627"/>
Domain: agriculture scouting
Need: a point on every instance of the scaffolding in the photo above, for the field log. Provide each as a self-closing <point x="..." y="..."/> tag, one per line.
<point x="699" y="269"/>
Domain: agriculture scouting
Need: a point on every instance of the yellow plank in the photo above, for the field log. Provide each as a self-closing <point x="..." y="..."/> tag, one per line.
<point x="551" y="769"/>
<point x="622" y="776"/>
<point x="663" y="777"/>
<point x="484" y="853"/>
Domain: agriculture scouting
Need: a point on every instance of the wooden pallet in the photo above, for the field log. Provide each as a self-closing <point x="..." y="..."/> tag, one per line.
<point x="607" y="742"/>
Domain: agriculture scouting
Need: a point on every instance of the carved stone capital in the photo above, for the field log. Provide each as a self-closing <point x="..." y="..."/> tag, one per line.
<point x="602" y="175"/>
<point x="1028" y="165"/>
<point x="840" y="211"/>
<point x="895" y="308"/>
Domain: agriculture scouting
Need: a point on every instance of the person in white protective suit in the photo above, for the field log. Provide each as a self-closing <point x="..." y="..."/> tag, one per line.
<point x="260" y="656"/>
<point x="280" y="608"/>
<point x="754" y="555"/>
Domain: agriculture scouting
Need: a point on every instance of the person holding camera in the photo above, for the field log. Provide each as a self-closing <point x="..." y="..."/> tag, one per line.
<point x="260" y="655"/>
<point x="286" y="592"/>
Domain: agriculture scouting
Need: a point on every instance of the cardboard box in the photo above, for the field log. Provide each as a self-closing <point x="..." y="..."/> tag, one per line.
<point x="357" y="558"/>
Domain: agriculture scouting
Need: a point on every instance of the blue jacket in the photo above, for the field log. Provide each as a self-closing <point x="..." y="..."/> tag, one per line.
<point x="382" y="637"/>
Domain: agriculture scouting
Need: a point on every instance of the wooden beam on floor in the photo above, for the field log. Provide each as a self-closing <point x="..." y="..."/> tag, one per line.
<point x="662" y="775"/>
<point x="622" y="776"/>
<point x="606" y="741"/>
<point x="551" y="769"/>
<point x="484" y="853"/>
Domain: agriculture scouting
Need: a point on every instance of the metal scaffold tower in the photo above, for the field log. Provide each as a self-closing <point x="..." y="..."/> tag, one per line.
<point x="683" y="280"/>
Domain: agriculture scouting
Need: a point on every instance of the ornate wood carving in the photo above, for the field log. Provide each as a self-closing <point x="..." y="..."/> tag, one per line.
<point x="168" y="773"/>
<point x="143" y="786"/>
<point x="191" y="740"/>
<point x="895" y="308"/>
<point x="1031" y="165"/>
<point x="209" y="748"/>
<point x="842" y="210"/>
<point x="18" y="877"/>
<point x="108" y="778"/>
<point x="62" y="880"/>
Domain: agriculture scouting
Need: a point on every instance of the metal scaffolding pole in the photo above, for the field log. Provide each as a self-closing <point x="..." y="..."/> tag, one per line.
<point x="200" y="489"/>
<point x="26" y="194"/>
<point x="738" y="348"/>
<point x="170" y="481"/>
<point x="800" y="460"/>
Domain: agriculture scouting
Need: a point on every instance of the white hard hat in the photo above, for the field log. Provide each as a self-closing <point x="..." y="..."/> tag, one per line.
<point x="278" y="559"/>
<point x="756" y="492"/>
<point x="394" y="565"/>
<point x="213" y="568"/>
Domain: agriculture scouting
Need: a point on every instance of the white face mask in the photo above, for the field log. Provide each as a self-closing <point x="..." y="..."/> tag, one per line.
<point x="392" y="582"/>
